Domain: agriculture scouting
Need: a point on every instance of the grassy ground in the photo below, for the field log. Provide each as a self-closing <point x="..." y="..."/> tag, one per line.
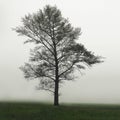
<point x="30" y="111"/>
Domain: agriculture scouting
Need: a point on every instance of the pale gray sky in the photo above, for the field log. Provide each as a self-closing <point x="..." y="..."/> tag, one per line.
<point x="100" y="23"/>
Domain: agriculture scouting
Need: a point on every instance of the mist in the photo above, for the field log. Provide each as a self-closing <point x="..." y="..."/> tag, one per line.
<point x="99" y="21"/>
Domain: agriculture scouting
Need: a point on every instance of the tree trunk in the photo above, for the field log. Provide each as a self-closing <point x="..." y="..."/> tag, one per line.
<point x="56" y="92"/>
<point x="56" y="96"/>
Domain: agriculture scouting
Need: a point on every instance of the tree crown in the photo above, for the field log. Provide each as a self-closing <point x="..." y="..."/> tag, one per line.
<point x="56" y="48"/>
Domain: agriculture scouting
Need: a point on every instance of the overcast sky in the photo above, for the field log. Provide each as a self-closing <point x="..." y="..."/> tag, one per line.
<point x="100" y="24"/>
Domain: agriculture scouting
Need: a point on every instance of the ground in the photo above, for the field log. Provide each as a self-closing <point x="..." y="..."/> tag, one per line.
<point x="38" y="111"/>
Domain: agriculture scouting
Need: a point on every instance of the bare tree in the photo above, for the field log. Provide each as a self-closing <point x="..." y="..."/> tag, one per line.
<point x="57" y="54"/>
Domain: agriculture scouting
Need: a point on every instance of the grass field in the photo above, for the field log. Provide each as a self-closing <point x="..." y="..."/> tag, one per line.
<point x="32" y="111"/>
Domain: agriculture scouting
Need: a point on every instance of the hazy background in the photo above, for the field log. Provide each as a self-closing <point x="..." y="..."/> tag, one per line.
<point x="100" y="23"/>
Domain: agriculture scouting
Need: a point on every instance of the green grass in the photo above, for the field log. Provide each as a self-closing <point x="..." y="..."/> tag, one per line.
<point x="31" y="111"/>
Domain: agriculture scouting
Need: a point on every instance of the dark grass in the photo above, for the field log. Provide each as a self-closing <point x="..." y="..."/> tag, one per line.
<point x="37" y="111"/>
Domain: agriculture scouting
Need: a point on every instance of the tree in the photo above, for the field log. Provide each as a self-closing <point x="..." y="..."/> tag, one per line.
<point x="57" y="54"/>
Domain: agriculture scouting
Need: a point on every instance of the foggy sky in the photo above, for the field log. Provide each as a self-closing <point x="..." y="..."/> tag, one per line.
<point x="100" y="24"/>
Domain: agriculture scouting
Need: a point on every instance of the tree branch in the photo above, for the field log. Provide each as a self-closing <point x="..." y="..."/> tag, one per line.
<point x="41" y="88"/>
<point x="49" y="77"/>
<point x="66" y="70"/>
<point x="35" y="33"/>
<point x="47" y="42"/>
